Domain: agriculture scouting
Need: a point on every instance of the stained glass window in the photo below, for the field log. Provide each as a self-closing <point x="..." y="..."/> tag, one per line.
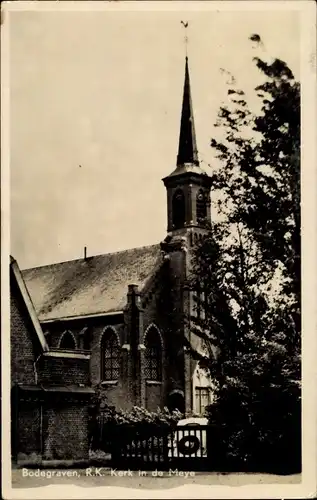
<point x="153" y="356"/>
<point x="110" y="362"/>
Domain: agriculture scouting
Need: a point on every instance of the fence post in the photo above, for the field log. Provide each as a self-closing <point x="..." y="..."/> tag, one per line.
<point x="115" y="446"/>
<point x="215" y="448"/>
<point x="166" y="437"/>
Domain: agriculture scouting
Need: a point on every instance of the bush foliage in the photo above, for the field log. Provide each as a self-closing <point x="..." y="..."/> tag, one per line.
<point x="141" y="416"/>
<point x="111" y="424"/>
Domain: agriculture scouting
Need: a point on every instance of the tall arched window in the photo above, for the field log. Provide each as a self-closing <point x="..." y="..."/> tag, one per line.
<point x="201" y="206"/>
<point x="203" y="390"/>
<point x="178" y="209"/>
<point x="67" y="341"/>
<point x="153" y="355"/>
<point x="110" y="361"/>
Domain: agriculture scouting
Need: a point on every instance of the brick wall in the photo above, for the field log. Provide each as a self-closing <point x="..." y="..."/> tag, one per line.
<point x="28" y="432"/>
<point x="63" y="371"/>
<point x="60" y="426"/>
<point x="23" y="351"/>
<point x="153" y="397"/>
<point x="57" y="429"/>
<point x="95" y="327"/>
<point x="175" y="334"/>
<point x="65" y="431"/>
<point x="117" y="394"/>
<point x="54" y="331"/>
<point x="164" y="309"/>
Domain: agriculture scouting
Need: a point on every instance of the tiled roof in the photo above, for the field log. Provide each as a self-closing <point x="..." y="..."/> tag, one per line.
<point x="93" y="285"/>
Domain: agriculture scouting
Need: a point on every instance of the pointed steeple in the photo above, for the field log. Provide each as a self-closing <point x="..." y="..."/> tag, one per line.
<point x="187" y="148"/>
<point x="188" y="186"/>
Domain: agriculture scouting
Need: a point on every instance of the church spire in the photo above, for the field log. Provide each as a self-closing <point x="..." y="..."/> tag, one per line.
<point x="187" y="148"/>
<point x="188" y="186"/>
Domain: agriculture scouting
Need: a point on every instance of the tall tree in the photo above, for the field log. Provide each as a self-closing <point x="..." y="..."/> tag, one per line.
<point x="247" y="272"/>
<point x="259" y="178"/>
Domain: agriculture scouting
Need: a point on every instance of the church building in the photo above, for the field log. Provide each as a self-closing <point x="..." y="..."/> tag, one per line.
<point x="129" y="310"/>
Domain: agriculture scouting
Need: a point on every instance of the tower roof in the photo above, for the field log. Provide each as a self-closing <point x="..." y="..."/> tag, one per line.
<point x="187" y="158"/>
<point x="187" y="148"/>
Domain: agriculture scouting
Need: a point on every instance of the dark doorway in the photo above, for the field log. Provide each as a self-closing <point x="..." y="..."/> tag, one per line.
<point x="176" y="401"/>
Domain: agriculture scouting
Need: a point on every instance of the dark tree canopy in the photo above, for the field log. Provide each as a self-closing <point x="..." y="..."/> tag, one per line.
<point x="249" y="265"/>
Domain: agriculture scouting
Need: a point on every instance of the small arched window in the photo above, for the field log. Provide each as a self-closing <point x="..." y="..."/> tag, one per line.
<point x="110" y="362"/>
<point x="178" y="209"/>
<point x="153" y="355"/>
<point x="201" y="206"/>
<point x="67" y="341"/>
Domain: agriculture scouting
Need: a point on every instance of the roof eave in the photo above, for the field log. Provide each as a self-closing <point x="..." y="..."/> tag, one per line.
<point x="80" y="316"/>
<point x="29" y="304"/>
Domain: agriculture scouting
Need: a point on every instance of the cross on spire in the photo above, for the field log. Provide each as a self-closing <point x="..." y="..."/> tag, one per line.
<point x="185" y="24"/>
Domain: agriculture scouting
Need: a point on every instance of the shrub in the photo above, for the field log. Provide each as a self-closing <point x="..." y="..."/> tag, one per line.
<point x="139" y="415"/>
<point x="261" y="434"/>
<point x="128" y="425"/>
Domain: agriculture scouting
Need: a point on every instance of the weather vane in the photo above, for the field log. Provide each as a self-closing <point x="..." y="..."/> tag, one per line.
<point x="185" y="24"/>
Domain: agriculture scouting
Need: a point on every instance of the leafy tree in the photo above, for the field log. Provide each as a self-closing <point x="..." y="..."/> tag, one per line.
<point x="259" y="178"/>
<point x="246" y="274"/>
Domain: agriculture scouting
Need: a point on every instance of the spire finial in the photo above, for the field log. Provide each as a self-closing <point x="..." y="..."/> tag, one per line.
<point x="185" y="24"/>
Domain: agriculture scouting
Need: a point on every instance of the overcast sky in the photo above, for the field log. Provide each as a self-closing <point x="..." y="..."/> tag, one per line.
<point x="103" y="90"/>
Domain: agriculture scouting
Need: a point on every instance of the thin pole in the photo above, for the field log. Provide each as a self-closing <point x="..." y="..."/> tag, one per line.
<point x="185" y="24"/>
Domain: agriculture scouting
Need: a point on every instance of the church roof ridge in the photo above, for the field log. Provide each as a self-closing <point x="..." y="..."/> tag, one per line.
<point x="143" y="247"/>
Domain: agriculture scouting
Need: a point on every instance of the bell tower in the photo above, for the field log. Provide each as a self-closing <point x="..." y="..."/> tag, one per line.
<point x="188" y="217"/>
<point x="188" y="186"/>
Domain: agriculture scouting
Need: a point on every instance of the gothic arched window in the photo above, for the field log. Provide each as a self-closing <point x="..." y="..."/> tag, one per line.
<point x="153" y="355"/>
<point x="203" y="390"/>
<point x="178" y="209"/>
<point x="67" y="341"/>
<point x="110" y="362"/>
<point x="201" y="206"/>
